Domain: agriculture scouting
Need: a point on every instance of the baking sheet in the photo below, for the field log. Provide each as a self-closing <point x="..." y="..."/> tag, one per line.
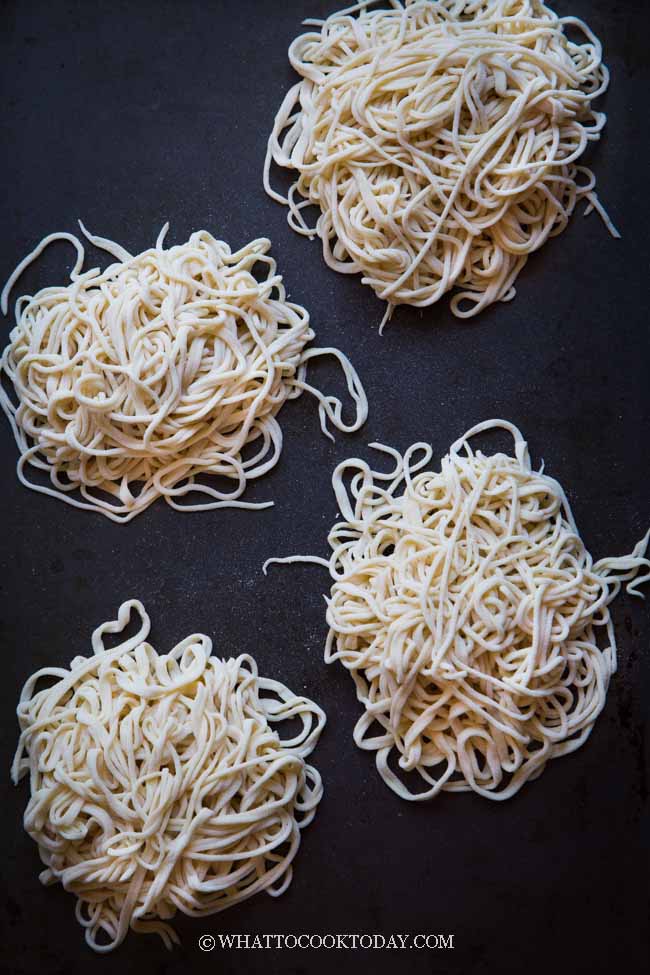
<point x="128" y="114"/>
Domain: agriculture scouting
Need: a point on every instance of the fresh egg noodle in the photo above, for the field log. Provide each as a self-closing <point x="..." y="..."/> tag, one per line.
<point x="134" y="382"/>
<point x="440" y="140"/>
<point x="158" y="783"/>
<point x="471" y="616"/>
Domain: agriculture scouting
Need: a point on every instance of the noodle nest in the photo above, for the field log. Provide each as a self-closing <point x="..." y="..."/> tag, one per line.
<point x="440" y="141"/>
<point x="136" y="382"/>
<point x="158" y="783"/>
<point x="471" y="616"/>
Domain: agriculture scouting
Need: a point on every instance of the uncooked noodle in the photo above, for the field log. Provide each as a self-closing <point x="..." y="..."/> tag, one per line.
<point x="470" y="615"/>
<point x="158" y="783"/>
<point x="138" y="381"/>
<point x="440" y="141"/>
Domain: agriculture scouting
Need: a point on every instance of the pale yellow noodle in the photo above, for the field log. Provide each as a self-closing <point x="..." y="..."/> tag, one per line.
<point x="440" y="141"/>
<point x="471" y="616"/>
<point x="158" y="783"/>
<point x="134" y="383"/>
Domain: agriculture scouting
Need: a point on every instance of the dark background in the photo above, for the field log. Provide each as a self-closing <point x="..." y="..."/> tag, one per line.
<point x="127" y="114"/>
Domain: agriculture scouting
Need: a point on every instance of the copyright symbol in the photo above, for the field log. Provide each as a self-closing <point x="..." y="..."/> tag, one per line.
<point x="206" y="942"/>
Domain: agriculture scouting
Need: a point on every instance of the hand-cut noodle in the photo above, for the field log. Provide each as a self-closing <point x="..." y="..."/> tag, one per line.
<point x="134" y="382"/>
<point x="158" y="783"/>
<point x="440" y="141"/>
<point x="467" y="609"/>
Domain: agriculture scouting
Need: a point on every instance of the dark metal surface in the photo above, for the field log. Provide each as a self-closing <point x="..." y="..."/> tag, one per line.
<point x="127" y="114"/>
